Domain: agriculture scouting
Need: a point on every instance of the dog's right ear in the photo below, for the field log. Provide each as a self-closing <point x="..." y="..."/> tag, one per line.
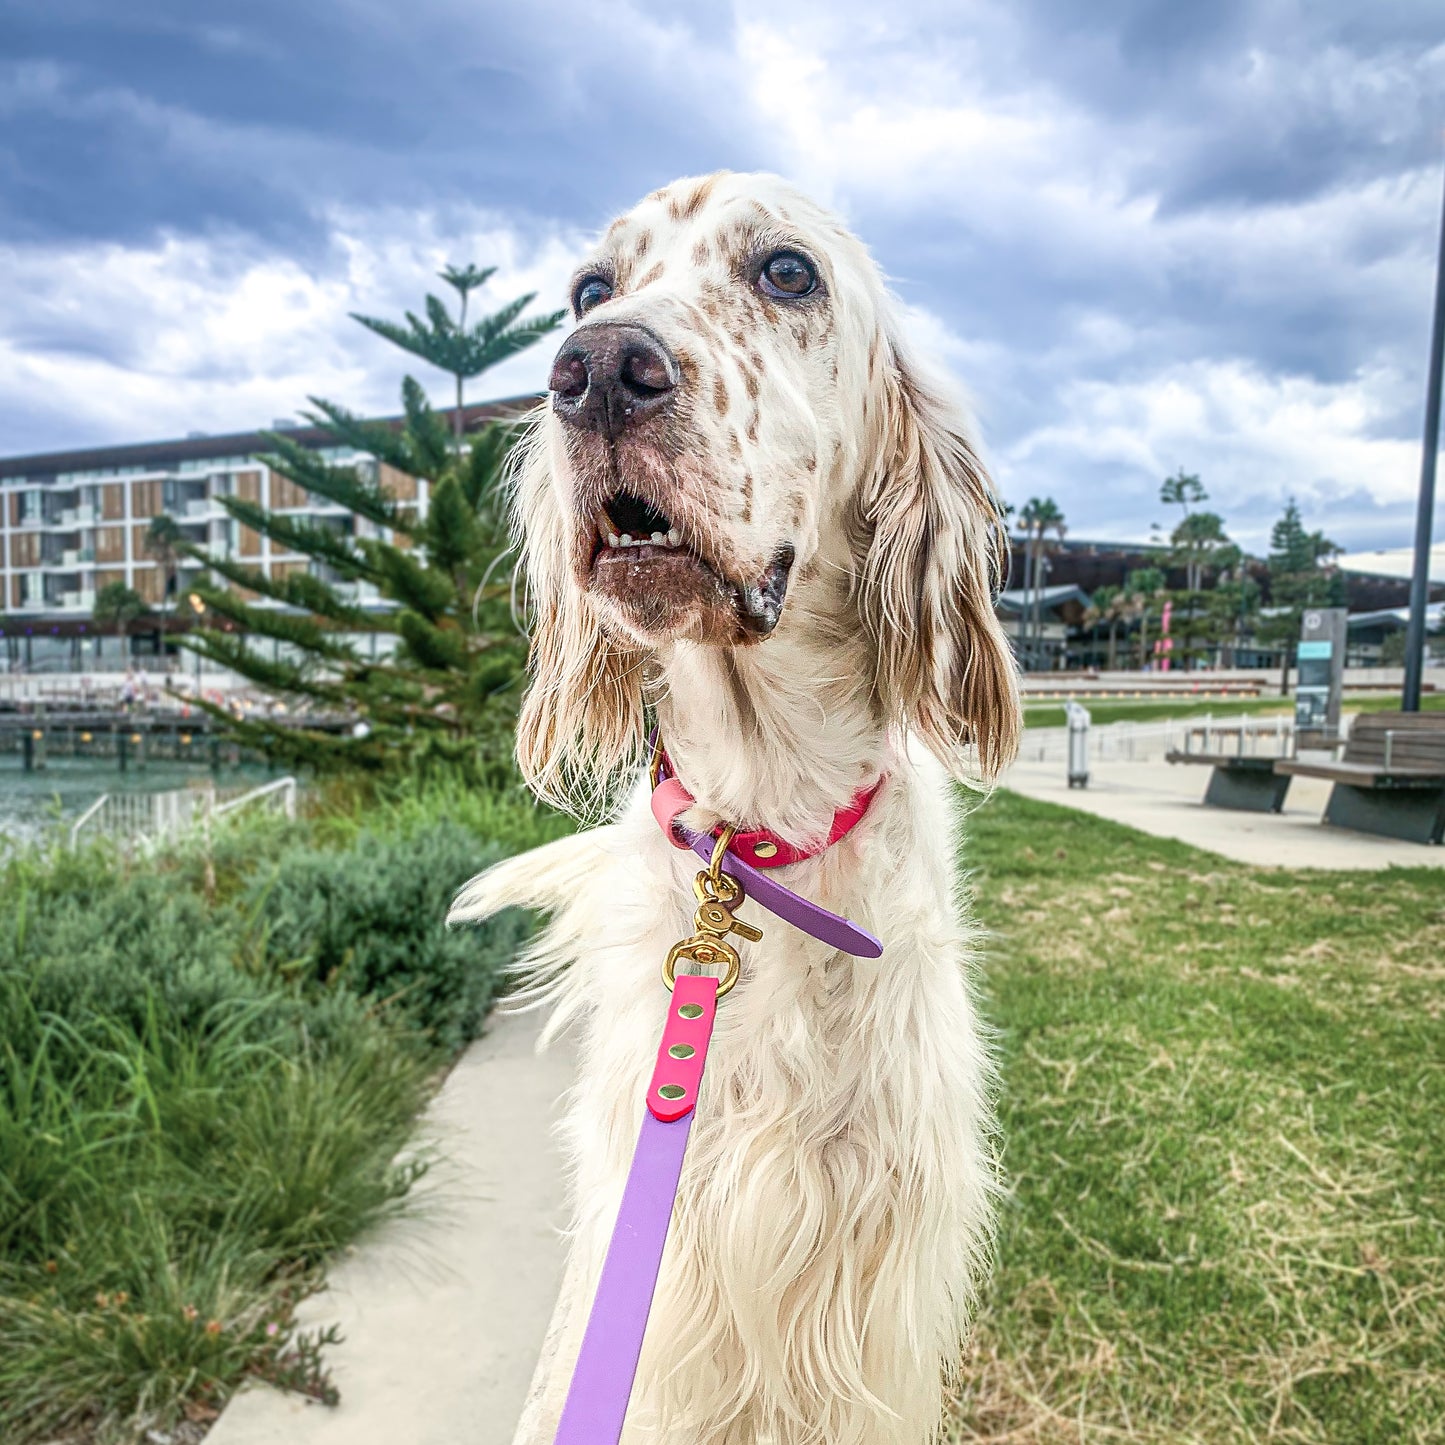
<point x="581" y="722"/>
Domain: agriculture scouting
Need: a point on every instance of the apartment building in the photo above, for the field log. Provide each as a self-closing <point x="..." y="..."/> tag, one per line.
<point x="71" y="522"/>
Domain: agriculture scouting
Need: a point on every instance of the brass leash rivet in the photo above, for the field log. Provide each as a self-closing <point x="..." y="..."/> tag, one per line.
<point x="690" y="1011"/>
<point x="672" y="1091"/>
<point x="682" y="1051"/>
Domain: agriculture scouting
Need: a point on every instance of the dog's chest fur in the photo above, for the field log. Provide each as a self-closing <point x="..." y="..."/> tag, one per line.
<point x="832" y="1214"/>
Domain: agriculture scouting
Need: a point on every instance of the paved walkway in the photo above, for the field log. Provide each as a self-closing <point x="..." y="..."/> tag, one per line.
<point x="443" y="1312"/>
<point x="1165" y="799"/>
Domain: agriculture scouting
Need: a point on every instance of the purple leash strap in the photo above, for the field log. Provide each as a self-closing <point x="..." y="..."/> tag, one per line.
<point x="596" y="1406"/>
<point x="601" y="1386"/>
<point x="832" y="928"/>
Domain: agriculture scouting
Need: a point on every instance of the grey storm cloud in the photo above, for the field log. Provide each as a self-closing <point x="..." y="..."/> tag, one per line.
<point x="1143" y="234"/>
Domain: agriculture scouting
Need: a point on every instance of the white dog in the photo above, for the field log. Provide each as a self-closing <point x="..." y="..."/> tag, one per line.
<point x="745" y="509"/>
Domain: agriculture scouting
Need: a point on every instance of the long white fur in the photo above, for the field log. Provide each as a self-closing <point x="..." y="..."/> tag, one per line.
<point x="833" y="1219"/>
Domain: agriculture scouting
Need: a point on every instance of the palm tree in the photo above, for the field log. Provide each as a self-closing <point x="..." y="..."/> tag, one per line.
<point x="1145" y="587"/>
<point x="1111" y="605"/>
<point x="1038" y="517"/>
<point x="1184" y="489"/>
<point x="117" y="605"/>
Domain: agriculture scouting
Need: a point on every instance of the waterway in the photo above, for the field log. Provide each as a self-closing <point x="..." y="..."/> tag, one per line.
<point x="34" y="804"/>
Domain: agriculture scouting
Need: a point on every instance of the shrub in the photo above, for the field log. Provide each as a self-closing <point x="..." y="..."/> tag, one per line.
<point x="371" y="919"/>
<point x="209" y="1063"/>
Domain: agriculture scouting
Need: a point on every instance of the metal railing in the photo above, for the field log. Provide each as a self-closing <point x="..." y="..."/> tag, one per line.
<point x="147" y="820"/>
<point x="1143" y="741"/>
<point x="279" y="795"/>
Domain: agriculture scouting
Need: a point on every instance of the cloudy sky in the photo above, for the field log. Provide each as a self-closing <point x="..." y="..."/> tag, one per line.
<point x="1142" y="234"/>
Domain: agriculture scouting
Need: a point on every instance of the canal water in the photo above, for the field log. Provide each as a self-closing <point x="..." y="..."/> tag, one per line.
<point x="33" y="804"/>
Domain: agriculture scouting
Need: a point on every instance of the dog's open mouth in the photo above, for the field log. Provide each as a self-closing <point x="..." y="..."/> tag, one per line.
<point x="643" y="558"/>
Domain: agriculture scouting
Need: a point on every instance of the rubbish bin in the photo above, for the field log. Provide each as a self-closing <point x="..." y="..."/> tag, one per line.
<point x="1079" y="720"/>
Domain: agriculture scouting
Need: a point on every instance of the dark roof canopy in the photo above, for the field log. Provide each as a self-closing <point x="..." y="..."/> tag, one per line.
<point x="234" y="444"/>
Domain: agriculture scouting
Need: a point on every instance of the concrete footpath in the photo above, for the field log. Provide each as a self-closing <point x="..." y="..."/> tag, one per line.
<point x="1167" y="800"/>
<point x="443" y="1312"/>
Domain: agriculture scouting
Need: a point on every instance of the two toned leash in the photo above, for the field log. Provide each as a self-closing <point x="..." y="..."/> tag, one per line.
<point x="596" y="1405"/>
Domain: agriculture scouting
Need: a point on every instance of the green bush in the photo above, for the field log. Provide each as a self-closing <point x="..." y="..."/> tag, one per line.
<point x="209" y="1063"/>
<point x="370" y="918"/>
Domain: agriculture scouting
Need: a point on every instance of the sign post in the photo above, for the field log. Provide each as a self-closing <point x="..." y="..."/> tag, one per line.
<point x="1321" y="676"/>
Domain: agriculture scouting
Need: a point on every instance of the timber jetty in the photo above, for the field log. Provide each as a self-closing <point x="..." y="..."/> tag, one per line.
<point x="131" y="739"/>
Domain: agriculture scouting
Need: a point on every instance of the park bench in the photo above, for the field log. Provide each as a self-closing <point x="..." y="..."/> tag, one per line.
<point x="1244" y="781"/>
<point x="1391" y="779"/>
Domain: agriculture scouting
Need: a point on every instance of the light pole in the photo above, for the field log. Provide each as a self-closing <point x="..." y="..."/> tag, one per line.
<point x="199" y="608"/>
<point x="1425" y="512"/>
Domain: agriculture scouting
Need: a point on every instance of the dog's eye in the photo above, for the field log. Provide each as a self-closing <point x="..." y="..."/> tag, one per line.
<point x="787" y="274"/>
<point x="591" y="292"/>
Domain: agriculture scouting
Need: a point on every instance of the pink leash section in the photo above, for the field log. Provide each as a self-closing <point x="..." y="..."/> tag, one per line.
<point x="596" y="1405"/>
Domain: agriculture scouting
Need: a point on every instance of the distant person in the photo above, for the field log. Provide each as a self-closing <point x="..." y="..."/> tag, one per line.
<point x="127" y="690"/>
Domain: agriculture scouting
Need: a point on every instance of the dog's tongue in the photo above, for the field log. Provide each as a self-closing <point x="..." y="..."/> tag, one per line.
<point x="760" y="604"/>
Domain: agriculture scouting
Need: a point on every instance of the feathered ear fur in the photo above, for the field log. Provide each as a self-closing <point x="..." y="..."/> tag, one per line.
<point x="934" y="555"/>
<point x="582" y="718"/>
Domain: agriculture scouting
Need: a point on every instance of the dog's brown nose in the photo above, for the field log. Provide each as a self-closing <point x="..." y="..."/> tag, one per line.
<point x="609" y="377"/>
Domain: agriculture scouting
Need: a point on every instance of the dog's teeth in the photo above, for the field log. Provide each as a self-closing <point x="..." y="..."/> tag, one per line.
<point x="625" y="540"/>
<point x="612" y="541"/>
<point x="659" y="540"/>
<point x="674" y="538"/>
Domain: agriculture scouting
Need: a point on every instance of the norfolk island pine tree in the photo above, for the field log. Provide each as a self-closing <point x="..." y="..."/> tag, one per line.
<point x="445" y="690"/>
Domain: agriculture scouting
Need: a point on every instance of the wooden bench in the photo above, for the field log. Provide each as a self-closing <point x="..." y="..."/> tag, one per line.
<point x="1245" y="782"/>
<point x="1391" y="779"/>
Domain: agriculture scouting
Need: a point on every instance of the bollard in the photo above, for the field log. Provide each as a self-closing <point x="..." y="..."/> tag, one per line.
<point x="1079" y="721"/>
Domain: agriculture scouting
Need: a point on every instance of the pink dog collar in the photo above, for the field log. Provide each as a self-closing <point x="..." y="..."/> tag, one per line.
<point x="670" y="800"/>
<point x="762" y="848"/>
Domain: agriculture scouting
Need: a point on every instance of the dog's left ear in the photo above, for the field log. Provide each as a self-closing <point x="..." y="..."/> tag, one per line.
<point x="933" y="551"/>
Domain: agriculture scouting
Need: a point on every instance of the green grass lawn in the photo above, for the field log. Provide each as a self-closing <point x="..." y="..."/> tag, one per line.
<point x="1222" y="1093"/>
<point x="1127" y="709"/>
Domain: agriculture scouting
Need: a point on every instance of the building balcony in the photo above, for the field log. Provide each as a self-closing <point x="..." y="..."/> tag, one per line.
<point x="72" y="517"/>
<point x="77" y="601"/>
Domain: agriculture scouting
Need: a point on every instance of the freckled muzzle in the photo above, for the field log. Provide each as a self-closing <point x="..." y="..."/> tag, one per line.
<point x="607" y="382"/>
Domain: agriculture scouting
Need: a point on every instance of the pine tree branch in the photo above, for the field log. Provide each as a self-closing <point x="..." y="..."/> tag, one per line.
<point x="508" y="343"/>
<point x="337" y="484"/>
<point x="310" y="540"/>
<point x="289" y="627"/>
<point x="490" y="327"/>
<point x="425" y="430"/>
<point x="230" y="651"/>
<point x="423" y="589"/>
<point x="379" y="439"/>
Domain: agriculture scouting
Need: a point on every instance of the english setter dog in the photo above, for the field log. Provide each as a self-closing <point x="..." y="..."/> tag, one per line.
<point x="746" y="509"/>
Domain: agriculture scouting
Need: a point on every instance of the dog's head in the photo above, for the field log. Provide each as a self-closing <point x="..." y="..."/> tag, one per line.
<point x="732" y="419"/>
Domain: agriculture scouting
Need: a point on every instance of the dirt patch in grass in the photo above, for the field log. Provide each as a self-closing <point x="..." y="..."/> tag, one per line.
<point x="1222" y="1093"/>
